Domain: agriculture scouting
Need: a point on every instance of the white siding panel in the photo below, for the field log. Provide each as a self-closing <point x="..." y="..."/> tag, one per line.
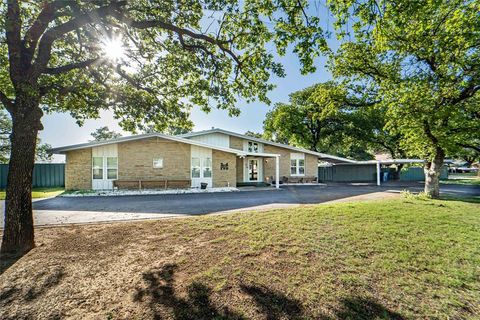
<point x="214" y="139"/>
<point x="202" y="154"/>
<point x="109" y="150"/>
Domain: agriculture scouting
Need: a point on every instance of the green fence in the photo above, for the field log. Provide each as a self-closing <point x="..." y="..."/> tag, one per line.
<point x="347" y="173"/>
<point x="417" y="174"/>
<point x="44" y="175"/>
<point x="368" y="172"/>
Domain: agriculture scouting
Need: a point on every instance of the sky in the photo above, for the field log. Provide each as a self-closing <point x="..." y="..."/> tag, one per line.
<point x="61" y="129"/>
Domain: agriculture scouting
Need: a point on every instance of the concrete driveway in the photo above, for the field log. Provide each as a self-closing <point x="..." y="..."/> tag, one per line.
<point x="63" y="210"/>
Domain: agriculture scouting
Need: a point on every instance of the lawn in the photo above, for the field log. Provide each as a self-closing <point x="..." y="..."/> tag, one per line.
<point x="395" y="259"/>
<point x="39" y="192"/>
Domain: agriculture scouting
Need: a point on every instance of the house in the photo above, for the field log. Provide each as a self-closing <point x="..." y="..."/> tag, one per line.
<point x="216" y="157"/>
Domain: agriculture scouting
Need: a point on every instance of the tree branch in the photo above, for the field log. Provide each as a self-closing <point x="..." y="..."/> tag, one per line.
<point x="46" y="16"/>
<point x="469" y="146"/>
<point x="180" y="31"/>
<point x="13" y="26"/>
<point x="46" y="42"/>
<point x="6" y="101"/>
<point x="72" y="66"/>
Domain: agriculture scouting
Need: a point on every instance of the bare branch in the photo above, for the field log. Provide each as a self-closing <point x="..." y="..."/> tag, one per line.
<point x="72" y="66"/>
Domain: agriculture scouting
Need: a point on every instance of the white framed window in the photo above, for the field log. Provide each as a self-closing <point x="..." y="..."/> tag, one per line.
<point x="104" y="168"/>
<point x="252" y="147"/>
<point x="297" y="164"/>
<point x="195" y="167"/>
<point x="157" y="163"/>
<point x="97" y="168"/>
<point x="112" y="168"/>
<point x="207" y="168"/>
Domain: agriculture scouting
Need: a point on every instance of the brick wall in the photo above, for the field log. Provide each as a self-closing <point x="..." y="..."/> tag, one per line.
<point x="135" y="159"/>
<point x="78" y="170"/>
<point x="311" y="162"/>
<point x="224" y="178"/>
<point x="236" y="143"/>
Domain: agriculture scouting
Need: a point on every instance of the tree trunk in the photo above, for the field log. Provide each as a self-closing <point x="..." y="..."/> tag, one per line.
<point x="432" y="174"/>
<point x="397" y="172"/>
<point x="18" y="236"/>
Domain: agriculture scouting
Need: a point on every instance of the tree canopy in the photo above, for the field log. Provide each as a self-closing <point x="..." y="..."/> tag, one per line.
<point x="104" y="133"/>
<point x="330" y="117"/>
<point x="422" y="60"/>
<point x="149" y="61"/>
<point x="168" y="55"/>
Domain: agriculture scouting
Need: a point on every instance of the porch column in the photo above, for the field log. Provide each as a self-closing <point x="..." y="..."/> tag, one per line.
<point x="378" y="173"/>
<point x="277" y="172"/>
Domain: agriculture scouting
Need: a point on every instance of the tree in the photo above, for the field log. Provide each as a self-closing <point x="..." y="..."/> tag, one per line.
<point x="176" y="128"/>
<point x="148" y="61"/>
<point x="423" y="60"/>
<point x="103" y="133"/>
<point x="41" y="152"/>
<point x="329" y="117"/>
<point x="254" y="134"/>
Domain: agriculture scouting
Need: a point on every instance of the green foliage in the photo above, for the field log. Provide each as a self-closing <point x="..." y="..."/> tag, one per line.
<point x="254" y="134"/>
<point x="41" y="151"/>
<point x="177" y="54"/>
<point x="331" y="117"/>
<point x="422" y="60"/>
<point x="103" y="133"/>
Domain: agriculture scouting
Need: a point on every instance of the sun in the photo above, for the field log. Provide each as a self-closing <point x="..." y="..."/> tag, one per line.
<point x="113" y="49"/>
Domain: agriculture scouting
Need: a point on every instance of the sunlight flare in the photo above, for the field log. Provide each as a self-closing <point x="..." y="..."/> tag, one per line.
<point x="113" y="48"/>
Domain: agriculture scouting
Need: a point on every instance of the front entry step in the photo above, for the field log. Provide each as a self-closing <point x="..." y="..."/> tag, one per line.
<point x="253" y="184"/>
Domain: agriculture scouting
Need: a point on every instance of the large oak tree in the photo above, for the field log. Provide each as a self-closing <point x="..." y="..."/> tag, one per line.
<point x="149" y="61"/>
<point x="422" y="59"/>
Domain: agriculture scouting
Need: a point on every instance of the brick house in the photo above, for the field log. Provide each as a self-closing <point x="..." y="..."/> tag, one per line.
<point x="216" y="157"/>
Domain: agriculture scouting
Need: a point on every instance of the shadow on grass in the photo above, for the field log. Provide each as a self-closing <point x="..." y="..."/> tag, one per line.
<point x="364" y="308"/>
<point x="469" y="199"/>
<point x="18" y="294"/>
<point x="164" y="302"/>
<point x="161" y="292"/>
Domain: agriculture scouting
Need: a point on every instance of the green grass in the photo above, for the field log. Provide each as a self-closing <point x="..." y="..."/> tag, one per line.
<point x="39" y="192"/>
<point x="472" y="181"/>
<point x="397" y="259"/>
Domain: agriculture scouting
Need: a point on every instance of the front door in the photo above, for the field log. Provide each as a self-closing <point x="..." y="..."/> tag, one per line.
<point x="253" y="170"/>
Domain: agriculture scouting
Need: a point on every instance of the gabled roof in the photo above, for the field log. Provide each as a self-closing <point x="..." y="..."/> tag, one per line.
<point x="64" y="149"/>
<point x="322" y="156"/>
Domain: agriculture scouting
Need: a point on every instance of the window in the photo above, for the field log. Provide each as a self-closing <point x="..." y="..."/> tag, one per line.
<point x="157" y="163"/>
<point x="195" y="167"/>
<point x="252" y="146"/>
<point x="297" y="164"/>
<point x="97" y="168"/>
<point x="207" y="168"/>
<point x="112" y="168"/>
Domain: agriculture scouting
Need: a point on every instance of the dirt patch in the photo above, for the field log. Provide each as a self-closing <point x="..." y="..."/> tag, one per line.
<point x="323" y="262"/>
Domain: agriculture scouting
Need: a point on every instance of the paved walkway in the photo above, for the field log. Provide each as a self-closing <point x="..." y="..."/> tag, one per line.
<point x="60" y="210"/>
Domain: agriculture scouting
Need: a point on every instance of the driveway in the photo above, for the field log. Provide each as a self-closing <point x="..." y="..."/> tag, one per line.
<point x="63" y="210"/>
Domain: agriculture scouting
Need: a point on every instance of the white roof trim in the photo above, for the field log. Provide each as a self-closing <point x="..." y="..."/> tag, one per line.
<point x="281" y="145"/>
<point x="61" y="150"/>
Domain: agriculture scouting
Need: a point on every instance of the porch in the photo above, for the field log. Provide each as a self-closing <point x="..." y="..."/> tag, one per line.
<point x="258" y="169"/>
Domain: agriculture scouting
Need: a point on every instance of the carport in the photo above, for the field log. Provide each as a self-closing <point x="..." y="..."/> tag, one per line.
<point x="371" y="171"/>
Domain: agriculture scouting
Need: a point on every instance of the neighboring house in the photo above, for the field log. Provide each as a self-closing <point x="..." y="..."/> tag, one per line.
<point x="216" y="157"/>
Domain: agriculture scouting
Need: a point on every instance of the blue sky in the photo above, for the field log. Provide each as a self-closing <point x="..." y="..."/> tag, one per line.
<point x="61" y="128"/>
